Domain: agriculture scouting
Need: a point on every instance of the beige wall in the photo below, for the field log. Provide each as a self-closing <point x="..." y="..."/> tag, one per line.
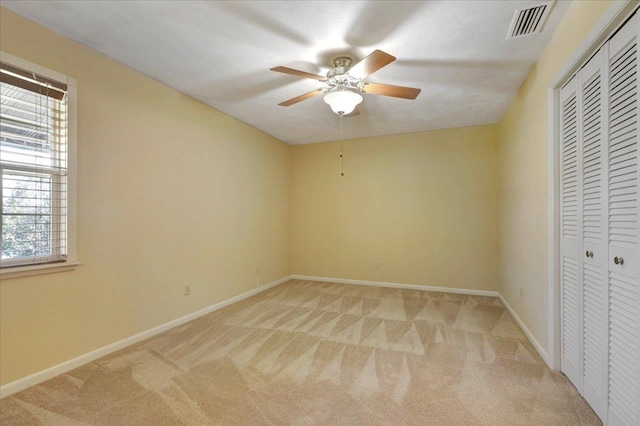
<point x="171" y="192"/>
<point x="423" y="204"/>
<point x="523" y="164"/>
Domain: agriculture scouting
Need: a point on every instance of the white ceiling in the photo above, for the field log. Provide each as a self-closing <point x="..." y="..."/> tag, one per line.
<point x="220" y="52"/>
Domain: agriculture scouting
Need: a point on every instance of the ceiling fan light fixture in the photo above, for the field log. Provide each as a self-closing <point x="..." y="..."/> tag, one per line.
<point x="343" y="102"/>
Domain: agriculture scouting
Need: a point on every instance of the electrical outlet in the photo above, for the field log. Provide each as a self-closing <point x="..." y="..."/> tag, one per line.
<point x="187" y="290"/>
<point x="378" y="265"/>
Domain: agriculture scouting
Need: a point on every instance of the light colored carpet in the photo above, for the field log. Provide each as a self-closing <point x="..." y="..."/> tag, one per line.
<point x="319" y="353"/>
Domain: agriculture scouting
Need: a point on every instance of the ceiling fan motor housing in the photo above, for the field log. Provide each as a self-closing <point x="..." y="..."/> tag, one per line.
<point x="337" y="77"/>
<point x="337" y="71"/>
<point x="341" y="65"/>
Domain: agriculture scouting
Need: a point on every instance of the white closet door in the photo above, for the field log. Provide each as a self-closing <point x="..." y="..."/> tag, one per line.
<point x="624" y="254"/>
<point x="592" y="122"/>
<point x="570" y="225"/>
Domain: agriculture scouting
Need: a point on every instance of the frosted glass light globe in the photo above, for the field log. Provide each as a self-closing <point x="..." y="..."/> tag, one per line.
<point x="343" y="101"/>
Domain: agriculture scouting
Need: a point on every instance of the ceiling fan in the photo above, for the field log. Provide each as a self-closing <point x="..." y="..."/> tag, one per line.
<point x="345" y="83"/>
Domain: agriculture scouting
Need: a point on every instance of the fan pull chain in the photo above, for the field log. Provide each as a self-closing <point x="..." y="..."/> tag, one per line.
<point x="341" y="149"/>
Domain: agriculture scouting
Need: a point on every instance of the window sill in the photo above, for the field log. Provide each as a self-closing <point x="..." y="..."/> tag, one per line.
<point x="48" y="268"/>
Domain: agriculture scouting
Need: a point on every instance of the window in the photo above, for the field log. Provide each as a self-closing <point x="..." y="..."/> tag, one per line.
<point x="35" y="134"/>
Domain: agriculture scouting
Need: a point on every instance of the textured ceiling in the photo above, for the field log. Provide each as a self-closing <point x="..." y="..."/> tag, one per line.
<point x="221" y="52"/>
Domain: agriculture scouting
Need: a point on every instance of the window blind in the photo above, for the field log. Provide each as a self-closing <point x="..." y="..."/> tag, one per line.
<point x="33" y="166"/>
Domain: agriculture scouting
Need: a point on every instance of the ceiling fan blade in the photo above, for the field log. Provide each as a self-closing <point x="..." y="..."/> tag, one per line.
<point x="389" y="90"/>
<point x="301" y="98"/>
<point x="297" y="73"/>
<point x="371" y="64"/>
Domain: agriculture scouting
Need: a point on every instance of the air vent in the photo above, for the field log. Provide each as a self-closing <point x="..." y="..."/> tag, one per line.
<point x="529" y="21"/>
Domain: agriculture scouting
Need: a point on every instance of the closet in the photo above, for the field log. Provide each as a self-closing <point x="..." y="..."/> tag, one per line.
<point x="600" y="243"/>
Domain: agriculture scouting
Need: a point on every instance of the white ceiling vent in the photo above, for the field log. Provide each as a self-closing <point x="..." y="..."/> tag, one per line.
<point x="529" y="21"/>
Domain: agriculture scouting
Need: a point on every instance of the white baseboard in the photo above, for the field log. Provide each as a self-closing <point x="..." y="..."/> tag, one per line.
<point x="526" y="331"/>
<point x="396" y="285"/>
<point x="44" y="375"/>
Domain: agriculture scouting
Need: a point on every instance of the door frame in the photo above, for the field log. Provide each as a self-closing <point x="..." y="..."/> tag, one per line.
<point x="613" y="18"/>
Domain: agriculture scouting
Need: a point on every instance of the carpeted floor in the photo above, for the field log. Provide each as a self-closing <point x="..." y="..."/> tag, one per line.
<point x="319" y="353"/>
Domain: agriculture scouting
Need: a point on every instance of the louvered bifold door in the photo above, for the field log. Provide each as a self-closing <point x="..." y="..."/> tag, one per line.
<point x="570" y="220"/>
<point x="624" y="254"/>
<point x="592" y="122"/>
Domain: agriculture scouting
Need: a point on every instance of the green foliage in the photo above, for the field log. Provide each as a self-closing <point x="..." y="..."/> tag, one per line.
<point x="26" y="221"/>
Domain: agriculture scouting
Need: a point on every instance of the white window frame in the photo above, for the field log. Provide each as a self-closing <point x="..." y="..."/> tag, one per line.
<point x="72" y="173"/>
